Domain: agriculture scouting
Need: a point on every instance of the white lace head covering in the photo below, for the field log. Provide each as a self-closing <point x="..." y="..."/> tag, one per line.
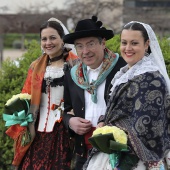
<point x="65" y="32"/>
<point x="156" y="51"/>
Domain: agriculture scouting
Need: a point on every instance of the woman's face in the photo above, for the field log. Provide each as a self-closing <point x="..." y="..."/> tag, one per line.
<point x="51" y="42"/>
<point x="132" y="46"/>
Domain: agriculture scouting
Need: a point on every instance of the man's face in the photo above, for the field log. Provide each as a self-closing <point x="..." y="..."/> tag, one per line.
<point x="90" y="50"/>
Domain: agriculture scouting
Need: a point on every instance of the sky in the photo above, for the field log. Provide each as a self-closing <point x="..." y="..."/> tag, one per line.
<point x="14" y="5"/>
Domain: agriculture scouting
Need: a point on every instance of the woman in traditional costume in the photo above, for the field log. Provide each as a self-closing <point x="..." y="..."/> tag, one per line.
<point x="49" y="147"/>
<point x="139" y="103"/>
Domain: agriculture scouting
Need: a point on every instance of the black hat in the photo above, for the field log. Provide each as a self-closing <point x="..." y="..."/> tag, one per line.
<point x="88" y="28"/>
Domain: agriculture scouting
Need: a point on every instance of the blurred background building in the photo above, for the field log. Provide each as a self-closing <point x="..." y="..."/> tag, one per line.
<point x="154" y="12"/>
<point x="114" y="13"/>
<point x="23" y="16"/>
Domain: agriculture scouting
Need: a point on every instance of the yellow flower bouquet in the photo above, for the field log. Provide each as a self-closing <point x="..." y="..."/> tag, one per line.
<point x="16" y="110"/>
<point x="17" y="117"/>
<point x="113" y="141"/>
<point x="109" y="138"/>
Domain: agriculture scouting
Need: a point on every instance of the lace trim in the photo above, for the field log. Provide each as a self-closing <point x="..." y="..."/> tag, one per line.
<point x="53" y="72"/>
<point x="147" y="64"/>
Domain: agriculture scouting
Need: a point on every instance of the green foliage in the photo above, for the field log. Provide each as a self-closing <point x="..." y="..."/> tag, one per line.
<point x="12" y="77"/>
<point x="114" y="45"/>
<point x="165" y="46"/>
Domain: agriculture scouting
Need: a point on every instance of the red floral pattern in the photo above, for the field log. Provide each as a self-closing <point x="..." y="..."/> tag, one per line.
<point x="49" y="151"/>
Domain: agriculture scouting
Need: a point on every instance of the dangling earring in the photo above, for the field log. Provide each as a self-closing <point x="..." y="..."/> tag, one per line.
<point x="146" y="53"/>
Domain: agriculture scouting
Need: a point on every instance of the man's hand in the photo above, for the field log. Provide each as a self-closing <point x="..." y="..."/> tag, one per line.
<point x="80" y="125"/>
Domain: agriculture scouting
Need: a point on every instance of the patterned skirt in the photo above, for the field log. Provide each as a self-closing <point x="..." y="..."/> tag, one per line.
<point x="49" y="151"/>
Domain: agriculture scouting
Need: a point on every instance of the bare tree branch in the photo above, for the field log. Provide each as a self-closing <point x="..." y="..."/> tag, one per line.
<point x="78" y="9"/>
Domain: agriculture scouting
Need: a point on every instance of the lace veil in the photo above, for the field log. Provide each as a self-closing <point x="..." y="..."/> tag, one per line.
<point x="65" y="32"/>
<point x="156" y="52"/>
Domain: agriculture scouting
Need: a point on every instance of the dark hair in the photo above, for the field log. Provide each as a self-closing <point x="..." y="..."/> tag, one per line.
<point x="53" y="24"/>
<point x="138" y="27"/>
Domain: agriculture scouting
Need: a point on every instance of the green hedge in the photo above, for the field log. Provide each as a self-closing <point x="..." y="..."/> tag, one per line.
<point x="14" y="40"/>
<point x="12" y="77"/>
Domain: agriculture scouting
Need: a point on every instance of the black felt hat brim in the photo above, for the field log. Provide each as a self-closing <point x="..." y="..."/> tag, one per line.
<point x="70" y="38"/>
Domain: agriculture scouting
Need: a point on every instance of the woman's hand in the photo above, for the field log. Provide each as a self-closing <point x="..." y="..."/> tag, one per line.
<point x="101" y="124"/>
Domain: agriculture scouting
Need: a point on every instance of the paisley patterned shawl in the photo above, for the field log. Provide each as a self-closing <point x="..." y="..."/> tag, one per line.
<point x="141" y="107"/>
